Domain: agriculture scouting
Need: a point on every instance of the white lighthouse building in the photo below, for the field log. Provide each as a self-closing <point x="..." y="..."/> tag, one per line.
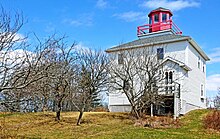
<point x="166" y="39"/>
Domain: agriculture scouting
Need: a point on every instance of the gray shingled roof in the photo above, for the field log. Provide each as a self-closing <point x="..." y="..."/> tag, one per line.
<point x="161" y="8"/>
<point x="149" y="41"/>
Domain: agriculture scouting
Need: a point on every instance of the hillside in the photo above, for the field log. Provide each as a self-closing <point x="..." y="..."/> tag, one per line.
<point x="97" y="125"/>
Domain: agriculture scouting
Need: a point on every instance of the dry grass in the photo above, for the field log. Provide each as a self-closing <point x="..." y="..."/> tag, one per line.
<point x="158" y="122"/>
<point x="212" y="120"/>
<point x="96" y="125"/>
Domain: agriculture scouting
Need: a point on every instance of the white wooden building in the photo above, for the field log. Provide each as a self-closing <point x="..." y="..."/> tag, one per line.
<point x="162" y="35"/>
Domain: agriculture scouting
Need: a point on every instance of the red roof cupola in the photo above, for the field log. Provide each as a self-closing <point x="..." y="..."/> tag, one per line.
<point x="159" y="20"/>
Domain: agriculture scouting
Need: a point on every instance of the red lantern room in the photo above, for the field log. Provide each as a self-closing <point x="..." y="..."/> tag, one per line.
<point x="159" y="18"/>
<point x="159" y="21"/>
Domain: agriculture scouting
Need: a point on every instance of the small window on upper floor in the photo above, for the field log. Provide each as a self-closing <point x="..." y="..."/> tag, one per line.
<point x="202" y="90"/>
<point x="164" y="17"/>
<point x="199" y="62"/>
<point x="160" y="53"/>
<point x="120" y="59"/>
<point x="156" y="18"/>
<point x="203" y="67"/>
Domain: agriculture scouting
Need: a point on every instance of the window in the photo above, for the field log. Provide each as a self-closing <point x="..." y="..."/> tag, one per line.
<point x="170" y="77"/>
<point x="169" y="81"/>
<point x="166" y="77"/>
<point x="120" y="59"/>
<point x="150" y="20"/>
<point x="202" y="90"/>
<point x="156" y="18"/>
<point x="202" y="100"/>
<point x="198" y="62"/>
<point x="203" y="67"/>
<point x="160" y="53"/>
<point x="164" y="17"/>
<point x="126" y="85"/>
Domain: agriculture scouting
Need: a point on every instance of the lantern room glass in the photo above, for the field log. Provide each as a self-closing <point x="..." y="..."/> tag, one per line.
<point x="164" y="17"/>
<point x="156" y="18"/>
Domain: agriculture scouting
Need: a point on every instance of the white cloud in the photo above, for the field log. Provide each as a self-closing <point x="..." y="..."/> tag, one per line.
<point x="15" y="56"/>
<point x="102" y="4"/>
<point x="82" y="20"/>
<point x="20" y="37"/>
<point x="173" y="5"/>
<point x="214" y="56"/>
<point x="213" y="82"/>
<point x="12" y="37"/>
<point x="130" y="16"/>
<point x="80" y="46"/>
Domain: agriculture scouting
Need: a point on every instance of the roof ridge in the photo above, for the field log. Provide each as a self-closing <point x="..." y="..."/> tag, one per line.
<point x="149" y="40"/>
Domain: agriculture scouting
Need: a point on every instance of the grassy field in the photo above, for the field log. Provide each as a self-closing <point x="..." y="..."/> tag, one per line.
<point x="98" y="125"/>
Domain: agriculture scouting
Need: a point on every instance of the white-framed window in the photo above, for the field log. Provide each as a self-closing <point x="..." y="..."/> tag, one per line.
<point x="120" y="59"/>
<point x="156" y="18"/>
<point x="203" y="66"/>
<point x="199" y="59"/>
<point x="160" y="53"/>
<point x="164" y="17"/>
<point x="169" y="81"/>
<point x="202" y="90"/>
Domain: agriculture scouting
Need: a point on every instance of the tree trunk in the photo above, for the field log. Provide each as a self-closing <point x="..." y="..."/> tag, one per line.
<point x="58" y="110"/>
<point x="135" y="112"/>
<point x="44" y="108"/>
<point x="54" y="106"/>
<point x="151" y="110"/>
<point x="80" y="117"/>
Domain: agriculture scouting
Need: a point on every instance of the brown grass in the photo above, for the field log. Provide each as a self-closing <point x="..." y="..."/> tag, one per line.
<point x="99" y="125"/>
<point x="158" y="122"/>
<point x="212" y="120"/>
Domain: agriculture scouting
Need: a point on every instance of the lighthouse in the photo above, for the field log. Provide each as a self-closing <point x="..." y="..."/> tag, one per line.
<point x="160" y="20"/>
<point x="183" y="62"/>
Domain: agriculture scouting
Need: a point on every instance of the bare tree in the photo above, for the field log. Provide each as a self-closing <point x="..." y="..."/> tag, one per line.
<point x="18" y="67"/>
<point x="139" y="74"/>
<point x="92" y="79"/>
<point x="217" y="100"/>
<point x="61" y="72"/>
<point x="9" y="41"/>
<point x="20" y="79"/>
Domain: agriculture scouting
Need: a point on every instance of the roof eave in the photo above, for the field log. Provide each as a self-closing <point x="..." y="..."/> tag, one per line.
<point x="181" y="64"/>
<point x="160" y="9"/>
<point x="200" y="51"/>
<point x="145" y="45"/>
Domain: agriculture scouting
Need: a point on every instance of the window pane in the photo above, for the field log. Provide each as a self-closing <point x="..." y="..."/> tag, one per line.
<point x="164" y="17"/>
<point x="203" y="67"/>
<point x="166" y="77"/>
<point x="202" y="91"/>
<point x="170" y="77"/>
<point x="156" y="18"/>
<point x="199" y="62"/>
<point x="160" y="53"/>
<point x="150" y="20"/>
<point x="120" y="58"/>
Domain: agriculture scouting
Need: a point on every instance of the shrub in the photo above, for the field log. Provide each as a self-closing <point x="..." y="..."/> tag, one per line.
<point x="100" y="109"/>
<point x="212" y="120"/>
<point x="158" y="122"/>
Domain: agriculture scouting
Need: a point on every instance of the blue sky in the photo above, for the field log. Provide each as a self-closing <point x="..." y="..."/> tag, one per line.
<point x="100" y="24"/>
